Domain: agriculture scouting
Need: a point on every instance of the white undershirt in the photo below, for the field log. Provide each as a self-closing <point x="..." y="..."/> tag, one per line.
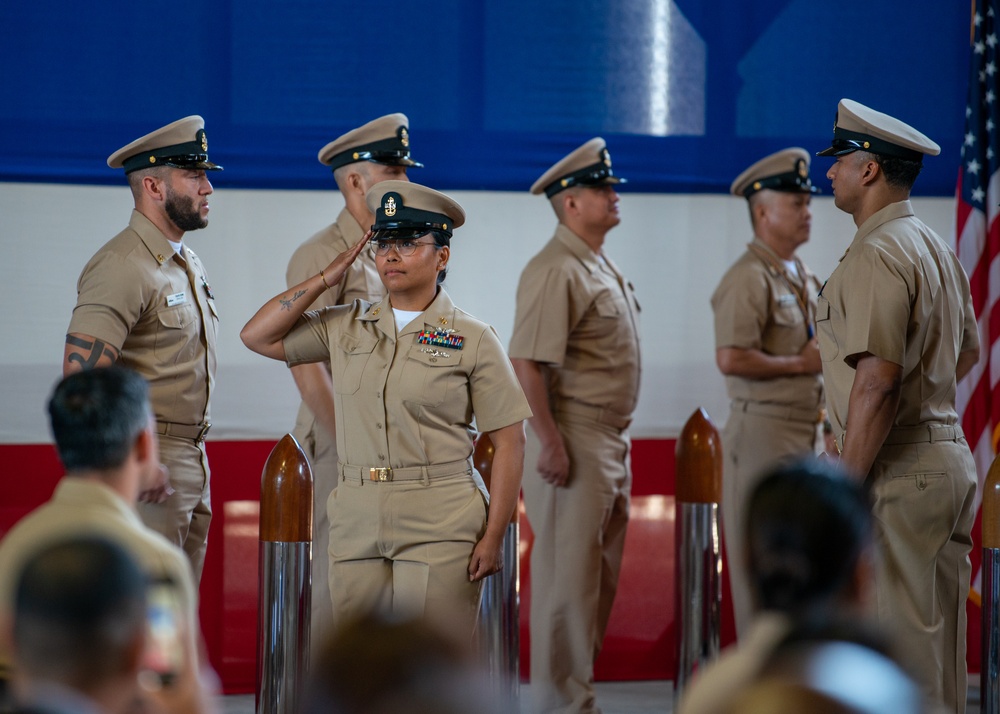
<point x="792" y="267"/>
<point x="404" y="317"/>
<point x="178" y="247"/>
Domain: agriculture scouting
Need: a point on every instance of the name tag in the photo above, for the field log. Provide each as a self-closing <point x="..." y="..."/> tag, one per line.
<point x="786" y="300"/>
<point x="176" y="299"/>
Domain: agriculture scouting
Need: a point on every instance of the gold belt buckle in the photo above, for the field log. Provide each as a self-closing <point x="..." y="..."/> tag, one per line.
<point x="380" y="474"/>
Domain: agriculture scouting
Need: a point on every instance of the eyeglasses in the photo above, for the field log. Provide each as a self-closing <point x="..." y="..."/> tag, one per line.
<point x="404" y="246"/>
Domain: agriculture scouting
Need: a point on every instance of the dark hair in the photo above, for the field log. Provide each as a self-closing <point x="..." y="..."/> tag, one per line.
<point x="807" y="527"/>
<point x="79" y="606"/>
<point x="899" y="173"/>
<point x="95" y="416"/>
<point x="428" y="672"/>
<point x="441" y="239"/>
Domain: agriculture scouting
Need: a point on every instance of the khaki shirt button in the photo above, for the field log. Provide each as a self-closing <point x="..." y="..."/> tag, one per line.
<point x="378" y="425"/>
<point x="381" y="457"/>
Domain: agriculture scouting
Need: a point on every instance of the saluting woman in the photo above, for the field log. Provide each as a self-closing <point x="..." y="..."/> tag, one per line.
<point x="414" y="378"/>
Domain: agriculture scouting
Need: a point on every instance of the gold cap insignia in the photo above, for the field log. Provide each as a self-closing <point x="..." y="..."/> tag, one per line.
<point x="204" y="140"/>
<point x="404" y="136"/>
<point x="390" y="206"/>
<point x="803" y="170"/>
<point x="606" y="157"/>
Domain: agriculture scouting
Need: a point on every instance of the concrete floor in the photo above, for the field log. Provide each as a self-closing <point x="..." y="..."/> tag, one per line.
<point x="612" y="697"/>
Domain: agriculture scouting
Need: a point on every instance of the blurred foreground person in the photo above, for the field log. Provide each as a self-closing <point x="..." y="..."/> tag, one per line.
<point x="809" y="550"/>
<point x="376" y="664"/>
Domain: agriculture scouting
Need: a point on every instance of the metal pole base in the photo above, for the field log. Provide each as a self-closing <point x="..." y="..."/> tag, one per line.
<point x="285" y="596"/>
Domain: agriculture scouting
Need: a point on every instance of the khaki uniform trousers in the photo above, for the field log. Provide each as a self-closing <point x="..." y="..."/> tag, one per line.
<point x="322" y="452"/>
<point x="752" y="442"/>
<point x="184" y="517"/>
<point x="924" y="498"/>
<point x="579" y="537"/>
<point x="404" y="546"/>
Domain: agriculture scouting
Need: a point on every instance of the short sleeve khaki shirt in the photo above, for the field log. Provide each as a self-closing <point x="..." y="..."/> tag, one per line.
<point x="409" y="400"/>
<point x="577" y="313"/>
<point x="81" y="506"/>
<point x="137" y="295"/>
<point x="758" y="306"/>
<point x="899" y="294"/>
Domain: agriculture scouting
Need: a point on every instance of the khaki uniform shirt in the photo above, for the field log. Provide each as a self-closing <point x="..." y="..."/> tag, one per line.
<point x="899" y="294"/>
<point x="360" y="282"/>
<point x="577" y="314"/>
<point x="756" y="308"/>
<point x="81" y="506"/>
<point x="136" y="295"/>
<point x="402" y="403"/>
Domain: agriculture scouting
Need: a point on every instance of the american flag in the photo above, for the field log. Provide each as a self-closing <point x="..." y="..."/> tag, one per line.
<point x="977" y="236"/>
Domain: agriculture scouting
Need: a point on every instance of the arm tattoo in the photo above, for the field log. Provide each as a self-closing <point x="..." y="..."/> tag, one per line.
<point x="286" y="304"/>
<point x="96" y="348"/>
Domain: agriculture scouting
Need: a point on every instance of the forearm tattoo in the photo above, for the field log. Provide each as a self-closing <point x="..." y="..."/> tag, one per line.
<point x="91" y="351"/>
<point x="286" y="303"/>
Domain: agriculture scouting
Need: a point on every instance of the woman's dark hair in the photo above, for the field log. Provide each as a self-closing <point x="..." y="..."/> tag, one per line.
<point x="808" y="525"/>
<point x="441" y="239"/>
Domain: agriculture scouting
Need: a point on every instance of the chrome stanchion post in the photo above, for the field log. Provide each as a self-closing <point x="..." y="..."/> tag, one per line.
<point x="989" y="687"/>
<point x="698" y="586"/>
<point x="499" y="614"/>
<point x="284" y="578"/>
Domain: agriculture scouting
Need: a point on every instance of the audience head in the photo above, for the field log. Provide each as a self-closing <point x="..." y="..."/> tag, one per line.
<point x="809" y="538"/>
<point x="378" y="665"/>
<point x="79" y="616"/>
<point x="96" y="415"/>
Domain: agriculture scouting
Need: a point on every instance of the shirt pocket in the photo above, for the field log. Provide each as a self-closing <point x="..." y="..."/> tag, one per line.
<point x="348" y="361"/>
<point x="174" y="326"/>
<point x="828" y="348"/>
<point x="429" y="374"/>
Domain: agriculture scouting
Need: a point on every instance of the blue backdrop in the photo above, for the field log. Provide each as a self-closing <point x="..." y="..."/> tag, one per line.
<point x="687" y="92"/>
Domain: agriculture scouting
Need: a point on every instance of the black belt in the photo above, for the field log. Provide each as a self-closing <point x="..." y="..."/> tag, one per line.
<point x="194" y="432"/>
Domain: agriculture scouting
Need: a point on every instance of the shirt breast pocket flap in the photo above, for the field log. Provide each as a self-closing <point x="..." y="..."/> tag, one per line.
<point x="177" y="318"/>
<point x="350" y="360"/>
<point x="609" y="307"/>
<point x="787" y="312"/>
<point x="435" y="356"/>
<point x="828" y="348"/>
<point x="429" y="374"/>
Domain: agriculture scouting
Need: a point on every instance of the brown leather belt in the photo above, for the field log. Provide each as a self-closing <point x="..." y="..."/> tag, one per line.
<point x="381" y="474"/>
<point x="194" y="432"/>
<point x="779" y="411"/>
<point x="592" y="413"/>
<point x="924" y="434"/>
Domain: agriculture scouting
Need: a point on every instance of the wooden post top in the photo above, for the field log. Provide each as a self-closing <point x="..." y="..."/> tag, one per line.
<point x="699" y="461"/>
<point x="286" y="494"/>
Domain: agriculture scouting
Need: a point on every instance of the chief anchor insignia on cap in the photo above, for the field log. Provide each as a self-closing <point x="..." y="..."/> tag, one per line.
<point x="589" y="165"/>
<point x="385" y="140"/>
<point x="404" y="210"/>
<point x="182" y="144"/>
<point x="786" y="170"/>
<point x="860" y="128"/>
